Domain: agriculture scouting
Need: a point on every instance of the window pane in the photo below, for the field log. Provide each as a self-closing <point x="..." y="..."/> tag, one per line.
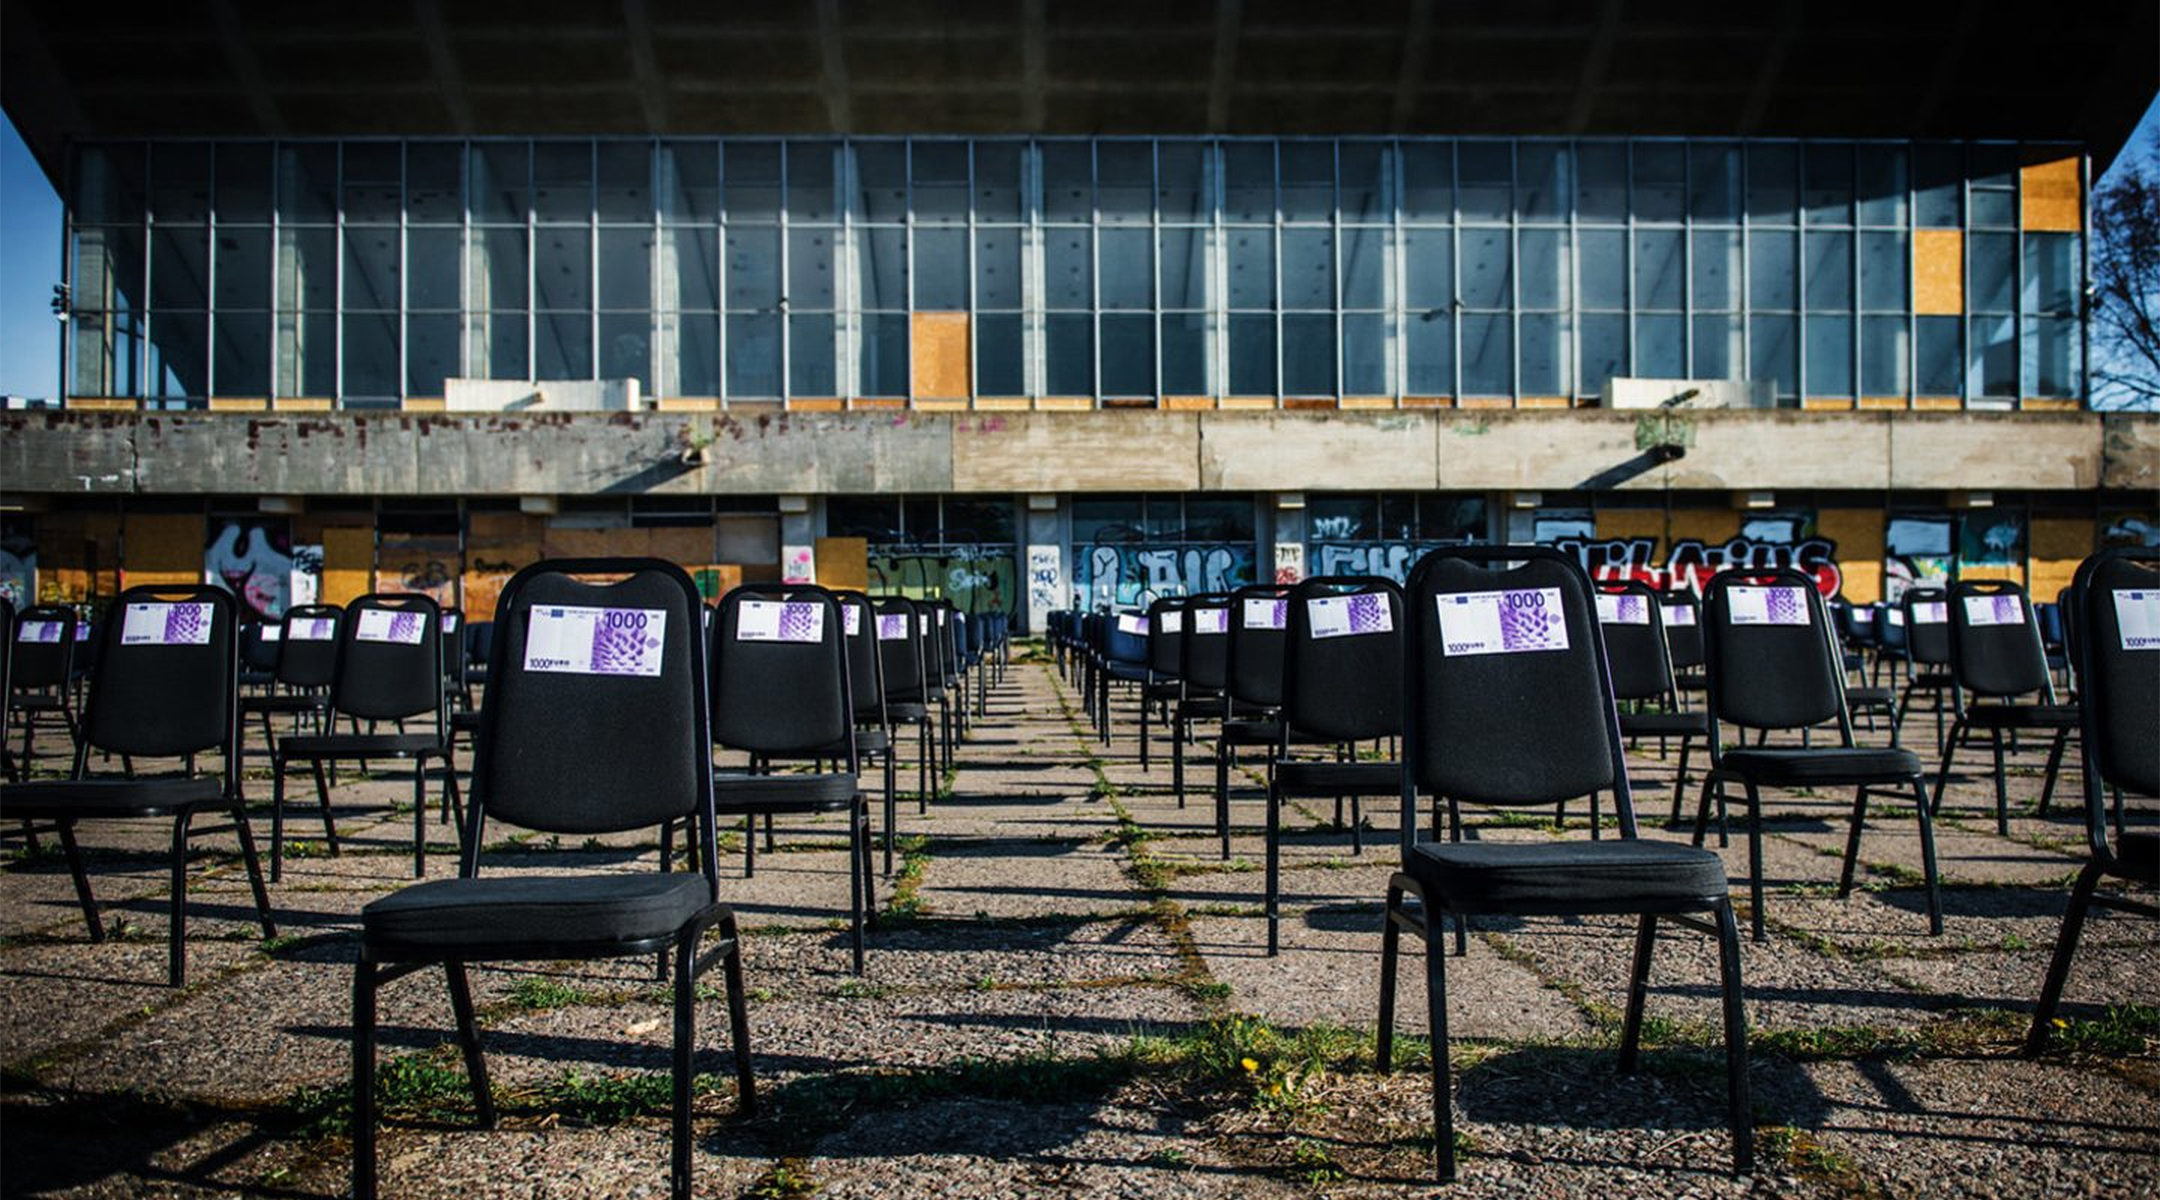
<point x="750" y="180"/>
<point x="371" y="267"/>
<point x="1249" y="181"/>
<point x="180" y="265"/>
<point x="562" y="346"/>
<point x="1486" y="269"/>
<point x="1125" y="182"/>
<point x="432" y="256"/>
<point x="1184" y="268"/>
<point x="626" y="268"/>
<point x="1884" y="347"/>
<point x="1601" y="182"/>
<point x="562" y="269"/>
<point x="1661" y="346"/>
<point x="1714" y="182"/>
<point x="1829" y="271"/>
<point x="562" y="181"/>
<point x="1488" y="355"/>
<point x="431" y="352"/>
<point x="1068" y="272"/>
<point x="1430" y="351"/>
<point x="1429" y="270"/>
<point x="1308" y="354"/>
<point x="1829" y="189"/>
<point x="1343" y="518"/>
<point x="241" y="349"/>
<point x="307" y="354"/>
<point x="690" y="185"/>
<point x="496" y="344"/>
<point x="1128" y="269"/>
<point x="1772" y="355"/>
<point x="753" y="267"/>
<point x="1993" y="367"/>
<point x="243" y="268"/>
<point x="626" y="348"/>
<point x="881" y="268"/>
<point x="998" y="363"/>
<point x="500" y="181"/>
<point x="1603" y="350"/>
<point x="997" y="181"/>
<point x="1308" y="181"/>
<point x="1715" y="267"/>
<point x="1829" y="356"/>
<point x="2051" y="273"/>
<point x="307" y="185"/>
<point x="1068" y="182"/>
<point x="1486" y="172"/>
<point x="1428" y="181"/>
<point x="813" y="169"/>
<point x="753" y="355"/>
<point x="941" y="270"/>
<point x="1218" y="519"/>
<point x="1105" y="519"/>
<point x="1717" y="351"/>
<point x="1180" y="184"/>
<point x="881" y="176"/>
<point x="1365" y="173"/>
<point x="940" y="173"/>
<point x="1660" y="181"/>
<point x="372" y="192"/>
<point x="371" y="354"/>
<point x="689" y="265"/>
<point x="1657" y="269"/>
<point x="1770" y="271"/>
<point x="1252" y="355"/>
<point x="1069" y="354"/>
<point x="109" y="265"/>
<point x="109" y="184"/>
<point x="1882" y="185"/>
<point x="1938" y="177"/>
<point x="1252" y="267"/>
<point x="1128" y="354"/>
<point x="1541" y="181"/>
<point x="625" y="185"/>
<point x="1544" y="354"/>
<point x="1184" y="354"/>
<point x="997" y="268"/>
<point x="1365" y="268"/>
<point x="1884" y="271"/>
<point x="1308" y="269"/>
<point x="810" y="269"/>
<point x="810" y="355"/>
<point x="696" y="358"/>
<point x="1772" y="183"/>
<point x="497" y="268"/>
<point x="968" y="520"/>
<point x="1941" y="365"/>
<point x="1604" y="268"/>
<point x="876" y="518"/>
<point x="2051" y="356"/>
<point x="243" y="185"/>
<point x="1365" y="354"/>
<point x="883" y="367"/>
<point x="1991" y="272"/>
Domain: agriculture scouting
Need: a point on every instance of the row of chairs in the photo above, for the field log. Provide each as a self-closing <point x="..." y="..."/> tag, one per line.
<point x="1498" y="671"/>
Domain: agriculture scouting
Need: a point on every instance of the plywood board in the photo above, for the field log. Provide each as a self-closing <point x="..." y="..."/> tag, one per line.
<point x="1858" y="533"/>
<point x="497" y="546"/>
<point x="348" y="562"/>
<point x="843" y="562"/>
<point x="1938" y="272"/>
<point x="1631" y="523"/>
<point x="2051" y="196"/>
<point x="2058" y="545"/>
<point x="162" y="548"/>
<point x="78" y="557"/>
<point x="426" y="563"/>
<point x="938" y="357"/>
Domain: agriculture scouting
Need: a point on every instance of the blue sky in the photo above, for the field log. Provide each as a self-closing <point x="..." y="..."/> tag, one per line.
<point x="30" y="258"/>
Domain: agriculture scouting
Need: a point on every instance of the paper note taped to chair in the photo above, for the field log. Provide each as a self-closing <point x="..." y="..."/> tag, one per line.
<point x="47" y="632"/>
<point x="1994" y="610"/>
<point x="1267" y="614"/>
<point x="851" y="619"/>
<point x="1170" y="620"/>
<point x="1679" y="614"/>
<point x="1767" y="605"/>
<point x="1930" y="612"/>
<point x="387" y="625"/>
<point x="892" y="627"/>
<point x="2137" y="613"/>
<point x="1349" y="616"/>
<point x="1211" y="620"/>
<point x="780" y="621"/>
<point x="1514" y="621"/>
<point x="271" y="633"/>
<point x="1622" y="609"/>
<point x="312" y="629"/>
<point x="576" y="640"/>
<point x="166" y="625"/>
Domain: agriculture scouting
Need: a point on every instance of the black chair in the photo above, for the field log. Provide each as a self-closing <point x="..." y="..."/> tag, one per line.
<point x="1121" y="658"/>
<point x="781" y="689"/>
<point x="1855" y="625"/>
<point x="1508" y="703"/>
<point x="1160" y="690"/>
<point x="596" y="723"/>
<point x="1203" y="673"/>
<point x="1774" y="665"/>
<point x="2113" y="611"/>
<point x="44" y="636"/>
<point x="1684" y="638"/>
<point x="873" y="730"/>
<point x="1342" y="684"/>
<point x="900" y="643"/>
<point x="389" y="668"/>
<point x="301" y="677"/>
<point x="1631" y="620"/>
<point x="166" y="686"/>
<point x="1996" y="656"/>
<point x="1253" y="681"/>
<point x="7" y="685"/>
<point x="1925" y="617"/>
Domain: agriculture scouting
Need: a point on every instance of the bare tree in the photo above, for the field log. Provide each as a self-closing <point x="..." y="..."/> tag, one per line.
<point x="2126" y="291"/>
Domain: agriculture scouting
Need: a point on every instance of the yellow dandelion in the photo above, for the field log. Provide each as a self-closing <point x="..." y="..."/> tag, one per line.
<point x="1252" y="1065"/>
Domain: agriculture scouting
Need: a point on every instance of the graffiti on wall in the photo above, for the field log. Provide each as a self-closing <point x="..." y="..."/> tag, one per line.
<point x="2131" y="529"/>
<point x="1389" y="560"/>
<point x="1917" y="552"/>
<point x="255" y="560"/>
<point x="1045" y="581"/>
<point x="18" y="567"/>
<point x="975" y="579"/>
<point x="1692" y="562"/>
<point x="419" y="562"/>
<point x="1125" y="575"/>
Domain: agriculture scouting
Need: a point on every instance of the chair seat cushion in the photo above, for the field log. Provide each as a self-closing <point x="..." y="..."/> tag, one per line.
<point x="1619" y="876"/>
<point x="1267" y="733"/>
<point x="1126" y="672"/>
<point x="739" y="793"/>
<point x="2022" y="716"/>
<point x="283" y="703"/>
<point x="359" y="745"/>
<point x="2137" y="856"/>
<point x="1338" y="778"/>
<point x="466" y="721"/>
<point x="1665" y="724"/>
<point x="1870" y="697"/>
<point x="109" y="797"/>
<point x="906" y="714"/>
<point x="1802" y="767"/>
<point x="580" y="911"/>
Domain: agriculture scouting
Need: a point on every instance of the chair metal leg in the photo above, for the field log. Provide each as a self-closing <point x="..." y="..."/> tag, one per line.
<point x="1274" y="867"/>
<point x="1739" y="1112"/>
<point x="890" y="821"/>
<point x="1958" y="734"/>
<point x="1852" y="841"/>
<point x="749" y="846"/>
<point x="176" y="929"/>
<point x="1754" y="855"/>
<point x="461" y="1007"/>
<point x="1222" y="796"/>
<point x="1390" y="948"/>
<point x="2054" y="767"/>
<point x="277" y="818"/>
<point x="1443" y="1100"/>
<point x="254" y="869"/>
<point x="1927" y="856"/>
<point x="2002" y="786"/>
<point x="1177" y="758"/>
<point x="685" y="1049"/>
<point x="858" y="827"/>
<point x="1679" y="786"/>
<point x="363" y="1080"/>
<point x="1638" y="993"/>
<point x="66" y="831"/>
<point x="2073" y="925"/>
<point x="322" y="796"/>
<point x="419" y="818"/>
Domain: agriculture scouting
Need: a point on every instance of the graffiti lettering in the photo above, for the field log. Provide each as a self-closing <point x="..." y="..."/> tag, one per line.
<point x="1692" y="562"/>
<point x="1389" y="560"/>
<point x="253" y="559"/>
<point x="975" y="579"/>
<point x="1138" y="575"/>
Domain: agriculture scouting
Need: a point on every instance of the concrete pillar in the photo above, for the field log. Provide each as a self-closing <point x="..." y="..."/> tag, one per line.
<point x="798" y="540"/>
<point x="1287" y="562"/>
<point x="1047" y="560"/>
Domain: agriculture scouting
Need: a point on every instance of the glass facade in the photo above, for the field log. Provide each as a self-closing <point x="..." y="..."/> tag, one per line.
<point x="1075" y="272"/>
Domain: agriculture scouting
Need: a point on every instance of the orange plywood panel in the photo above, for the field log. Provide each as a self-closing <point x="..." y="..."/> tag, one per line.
<point x="497" y="546"/>
<point x="815" y="403"/>
<point x="163" y="548"/>
<point x="78" y="557"/>
<point x="1938" y="272"/>
<point x="348" y="562"/>
<point x="843" y="562"/>
<point x="1428" y="401"/>
<point x="680" y="544"/>
<point x="2058" y="544"/>
<point x="1631" y="523"/>
<point x="939" y="356"/>
<point x="2051" y="196"/>
<point x="1858" y="534"/>
<point x="1188" y="403"/>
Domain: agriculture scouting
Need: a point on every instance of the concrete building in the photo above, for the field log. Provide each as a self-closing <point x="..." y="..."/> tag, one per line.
<point x="1028" y="302"/>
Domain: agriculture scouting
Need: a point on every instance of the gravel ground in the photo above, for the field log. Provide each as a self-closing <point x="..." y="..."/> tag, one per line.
<point x="1069" y="997"/>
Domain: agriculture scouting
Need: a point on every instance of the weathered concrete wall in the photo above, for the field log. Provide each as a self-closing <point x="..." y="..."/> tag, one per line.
<point x="886" y="452"/>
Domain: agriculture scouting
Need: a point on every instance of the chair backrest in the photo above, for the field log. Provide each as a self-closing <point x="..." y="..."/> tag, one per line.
<point x="938" y="652"/>
<point x="453" y="645"/>
<point x="1632" y="622"/>
<point x="1508" y="701"/>
<point x="1927" y="625"/>
<point x="1890" y="628"/>
<point x="1682" y="614"/>
<point x="1259" y="627"/>
<point x="900" y="648"/>
<point x="479" y="642"/>
<point x="779" y="671"/>
<point x="2116" y="626"/>
<point x="308" y="648"/>
<point x="2050" y="616"/>
<point x="390" y="658"/>
<point x="1166" y="636"/>
<point x="7" y="660"/>
<point x="596" y="719"/>
<point x="1772" y="657"/>
<point x="1204" y="654"/>
<point x="1995" y="647"/>
<point x="259" y="645"/>
<point x="1125" y="637"/>
<point x="44" y="637"/>
<point x="1343" y="658"/>
<point x="168" y="676"/>
<point x="866" y="681"/>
